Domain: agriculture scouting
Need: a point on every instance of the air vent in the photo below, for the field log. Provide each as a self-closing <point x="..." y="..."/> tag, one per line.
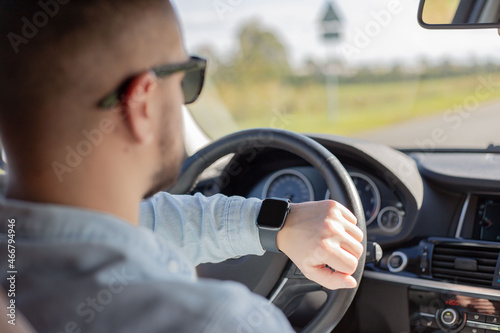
<point x="464" y="264"/>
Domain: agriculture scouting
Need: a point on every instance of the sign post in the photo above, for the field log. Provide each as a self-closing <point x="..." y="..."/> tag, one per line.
<point x="331" y="32"/>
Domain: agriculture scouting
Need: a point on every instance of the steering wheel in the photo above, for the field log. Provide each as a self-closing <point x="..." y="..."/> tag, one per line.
<point x="273" y="275"/>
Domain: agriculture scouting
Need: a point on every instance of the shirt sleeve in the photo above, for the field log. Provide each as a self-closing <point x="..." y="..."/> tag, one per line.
<point x="205" y="229"/>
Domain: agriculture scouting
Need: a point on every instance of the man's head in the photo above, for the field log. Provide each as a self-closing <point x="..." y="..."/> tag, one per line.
<point x="58" y="60"/>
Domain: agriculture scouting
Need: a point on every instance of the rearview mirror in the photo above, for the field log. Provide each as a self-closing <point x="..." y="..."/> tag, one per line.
<point x="459" y="14"/>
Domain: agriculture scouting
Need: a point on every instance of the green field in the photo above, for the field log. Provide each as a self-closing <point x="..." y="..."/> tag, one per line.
<point x="361" y="107"/>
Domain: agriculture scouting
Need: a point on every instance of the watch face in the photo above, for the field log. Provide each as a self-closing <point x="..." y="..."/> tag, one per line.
<point x="273" y="213"/>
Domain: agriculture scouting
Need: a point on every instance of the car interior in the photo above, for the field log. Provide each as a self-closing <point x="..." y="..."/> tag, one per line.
<point x="429" y="206"/>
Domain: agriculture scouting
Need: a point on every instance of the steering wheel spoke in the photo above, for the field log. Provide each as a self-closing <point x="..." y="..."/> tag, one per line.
<point x="291" y="287"/>
<point x="290" y="293"/>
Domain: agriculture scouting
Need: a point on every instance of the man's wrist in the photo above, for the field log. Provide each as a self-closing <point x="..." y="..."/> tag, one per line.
<point x="270" y="221"/>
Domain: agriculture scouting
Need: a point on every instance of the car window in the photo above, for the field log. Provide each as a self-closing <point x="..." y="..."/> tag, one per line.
<point x="361" y="68"/>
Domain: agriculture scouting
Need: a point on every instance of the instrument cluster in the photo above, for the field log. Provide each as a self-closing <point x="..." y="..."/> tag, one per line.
<point x="381" y="206"/>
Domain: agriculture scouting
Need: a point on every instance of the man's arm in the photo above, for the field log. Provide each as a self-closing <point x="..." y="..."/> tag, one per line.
<point x="206" y="229"/>
<point x="316" y="236"/>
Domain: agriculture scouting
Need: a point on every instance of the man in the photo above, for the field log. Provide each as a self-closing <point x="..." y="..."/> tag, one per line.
<point x="90" y="117"/>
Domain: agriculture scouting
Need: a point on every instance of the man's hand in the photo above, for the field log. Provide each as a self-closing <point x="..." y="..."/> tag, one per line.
<point x="323" y="233"/>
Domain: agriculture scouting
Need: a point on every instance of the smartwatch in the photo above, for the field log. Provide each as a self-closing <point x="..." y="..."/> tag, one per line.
<point x="270" y="221"/>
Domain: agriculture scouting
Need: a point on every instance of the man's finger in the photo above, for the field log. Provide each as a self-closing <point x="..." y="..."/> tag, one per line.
<point x="352" y="246"/>
<point x="345" y="234"/>
<point x="350" y="228"/>
<point x="330" y="279"/>
<point x="339" y="259"/>
<point x="346" y="213"/>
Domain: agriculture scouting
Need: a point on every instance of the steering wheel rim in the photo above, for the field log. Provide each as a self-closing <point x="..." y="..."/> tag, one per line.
<point x="319" y="157"/>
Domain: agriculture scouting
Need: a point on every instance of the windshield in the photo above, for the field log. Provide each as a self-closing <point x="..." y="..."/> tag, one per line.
<point x="362" y="68"/>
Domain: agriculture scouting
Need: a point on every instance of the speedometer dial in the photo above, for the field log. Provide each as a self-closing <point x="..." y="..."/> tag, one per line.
<point x="368" y="193"/>
<point x="289" y="184"/>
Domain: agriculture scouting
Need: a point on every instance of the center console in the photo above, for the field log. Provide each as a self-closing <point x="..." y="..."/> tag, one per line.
<point x="454" y="283"/>
<point x="433" y="311"/>
<point x="470" y="259"/>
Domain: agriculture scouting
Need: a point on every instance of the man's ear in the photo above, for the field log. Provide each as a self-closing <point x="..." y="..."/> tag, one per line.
<point x="137" y="107"/>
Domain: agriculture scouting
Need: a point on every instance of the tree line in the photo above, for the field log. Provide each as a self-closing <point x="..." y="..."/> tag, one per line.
<point x="261" y="56"/>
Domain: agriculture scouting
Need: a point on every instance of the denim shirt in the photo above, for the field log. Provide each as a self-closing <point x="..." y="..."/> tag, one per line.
<point x="85" y="271"/>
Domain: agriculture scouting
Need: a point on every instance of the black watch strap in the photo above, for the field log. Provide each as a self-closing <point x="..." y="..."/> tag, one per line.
<point x="272" y="217"/>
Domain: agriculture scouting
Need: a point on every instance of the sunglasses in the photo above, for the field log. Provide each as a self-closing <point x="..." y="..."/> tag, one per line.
<point x="192" y="83"/>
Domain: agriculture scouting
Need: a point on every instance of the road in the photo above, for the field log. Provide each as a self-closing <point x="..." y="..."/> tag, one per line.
<point x="474" y="128"/>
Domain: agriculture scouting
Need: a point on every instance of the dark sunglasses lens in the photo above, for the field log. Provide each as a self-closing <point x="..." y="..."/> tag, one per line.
<point x="192" y="85"/>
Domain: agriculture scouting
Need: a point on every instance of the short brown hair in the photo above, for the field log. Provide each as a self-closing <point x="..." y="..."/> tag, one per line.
<point x="38" y="35"/>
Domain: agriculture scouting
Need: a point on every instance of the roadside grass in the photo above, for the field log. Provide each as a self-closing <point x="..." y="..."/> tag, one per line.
<point x="361" y="107"/>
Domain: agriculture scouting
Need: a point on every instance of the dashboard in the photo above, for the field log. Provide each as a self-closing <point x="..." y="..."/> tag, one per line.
<point x="435" y="214"/>
<point x="382" y="207"/>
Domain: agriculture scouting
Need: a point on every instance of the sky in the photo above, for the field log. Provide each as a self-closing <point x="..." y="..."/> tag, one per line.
<point x="375" y="31"/>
